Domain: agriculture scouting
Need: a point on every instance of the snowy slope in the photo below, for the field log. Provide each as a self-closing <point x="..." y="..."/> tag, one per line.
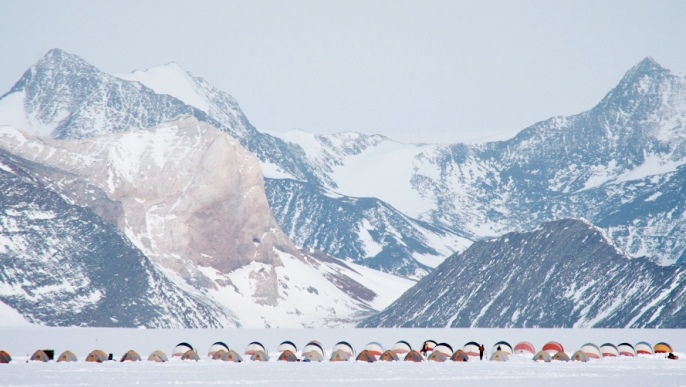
<point x="562" y="274"/>
<point x="64" y="265"/>
<point x="612" y="155"/>
<point x="65" y="97"/>
<point x="193" y="201"/>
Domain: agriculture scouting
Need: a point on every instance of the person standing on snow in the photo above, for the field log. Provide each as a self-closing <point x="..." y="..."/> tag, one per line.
<point x="481" y="352"/>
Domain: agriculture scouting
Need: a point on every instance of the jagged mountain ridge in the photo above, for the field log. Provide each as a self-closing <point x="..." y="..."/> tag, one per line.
<point x="193" y="201"/>
<point x="563" y="274"/>
<point x="90" y="103"/>
<point x="61" y="264"/>
<point x="591" y="165"/>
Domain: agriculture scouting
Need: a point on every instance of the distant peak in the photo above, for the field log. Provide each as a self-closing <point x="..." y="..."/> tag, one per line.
<point x="648" y="63"/>
<point x="648" y="66"/>
<point x="57" y="58"/>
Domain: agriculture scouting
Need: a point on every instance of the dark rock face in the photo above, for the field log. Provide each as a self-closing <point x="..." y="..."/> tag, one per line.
<point x="563" y="274"/>
<point x="61" y="264"/>
<point x="335" y="224"/>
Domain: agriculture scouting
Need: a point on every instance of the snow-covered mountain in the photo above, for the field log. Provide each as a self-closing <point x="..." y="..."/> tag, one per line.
<point x="61" y="264"/>
<point x="562" y="274"/>
<point x="193" y="201"/>
<point x="610" y="165"/>
<point x="64" y="97"/>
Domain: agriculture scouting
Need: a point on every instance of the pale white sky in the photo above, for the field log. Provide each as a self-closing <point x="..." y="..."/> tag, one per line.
<point x="416" y="71"/>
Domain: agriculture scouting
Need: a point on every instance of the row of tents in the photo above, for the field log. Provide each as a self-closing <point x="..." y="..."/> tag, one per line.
<point x="374" y="351"/>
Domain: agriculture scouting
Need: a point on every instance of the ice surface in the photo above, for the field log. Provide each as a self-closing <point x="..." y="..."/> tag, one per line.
<point x="519" y="371"/>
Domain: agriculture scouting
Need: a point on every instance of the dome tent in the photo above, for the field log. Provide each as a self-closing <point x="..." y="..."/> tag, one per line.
<point x="97" y="356"/>
<point x="366" y="356"/>
<point x="315" y="346"/>
<point x="287" y="356"/>
<point x="312" y="356"/>
<point x="232" y="356"/>
<point x="158" y="356"/>
<point x="340" y="355"/>
<point x="389" y="356"/>
<point x="437" y="356"/>
<point x="591" y="350"/>
<point x="471" y="348"/>
<point x="287" y="346"/>
<point x="626" y="349"/>
<point x="217" y="355"/>
<point x="131" y="355"/>
<point x="259" y="356"/>
<point x="190" y="355"/>
<point x="643" y="348"/>
<point x="5" y="357"/>
<point x="374" y="348"/>
<point x="444" y="348"/>
<point x="414" y="356"/>
<point x="662" y="347"/>
<point x="401" y="347"/>
<point x="41" y="356"/>
<point x="543" y="356"/>
<point x="180" y="349"/>
<point x="579" y="356"/>
<point x="524" y="348"/>
<point x="499" y="356"/>
<point x="553" y="347"/>
<point x="254" y="347"/>
<point x="609" y="350"/>
<point x="218" y="346"/>
<point x="345" y="347"/>
<point x="561" y="356"/>
<point x="66" y="356"/>
<point x="504" y="346"/>
<point x="459" y="355"/>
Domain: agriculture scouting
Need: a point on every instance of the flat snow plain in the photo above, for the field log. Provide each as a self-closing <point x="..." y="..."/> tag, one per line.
<point x="20" y="342"/>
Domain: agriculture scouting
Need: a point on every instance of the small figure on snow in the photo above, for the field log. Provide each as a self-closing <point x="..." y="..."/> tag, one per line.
<point x="481" y="352"/>
<point x="425" y="349"/>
